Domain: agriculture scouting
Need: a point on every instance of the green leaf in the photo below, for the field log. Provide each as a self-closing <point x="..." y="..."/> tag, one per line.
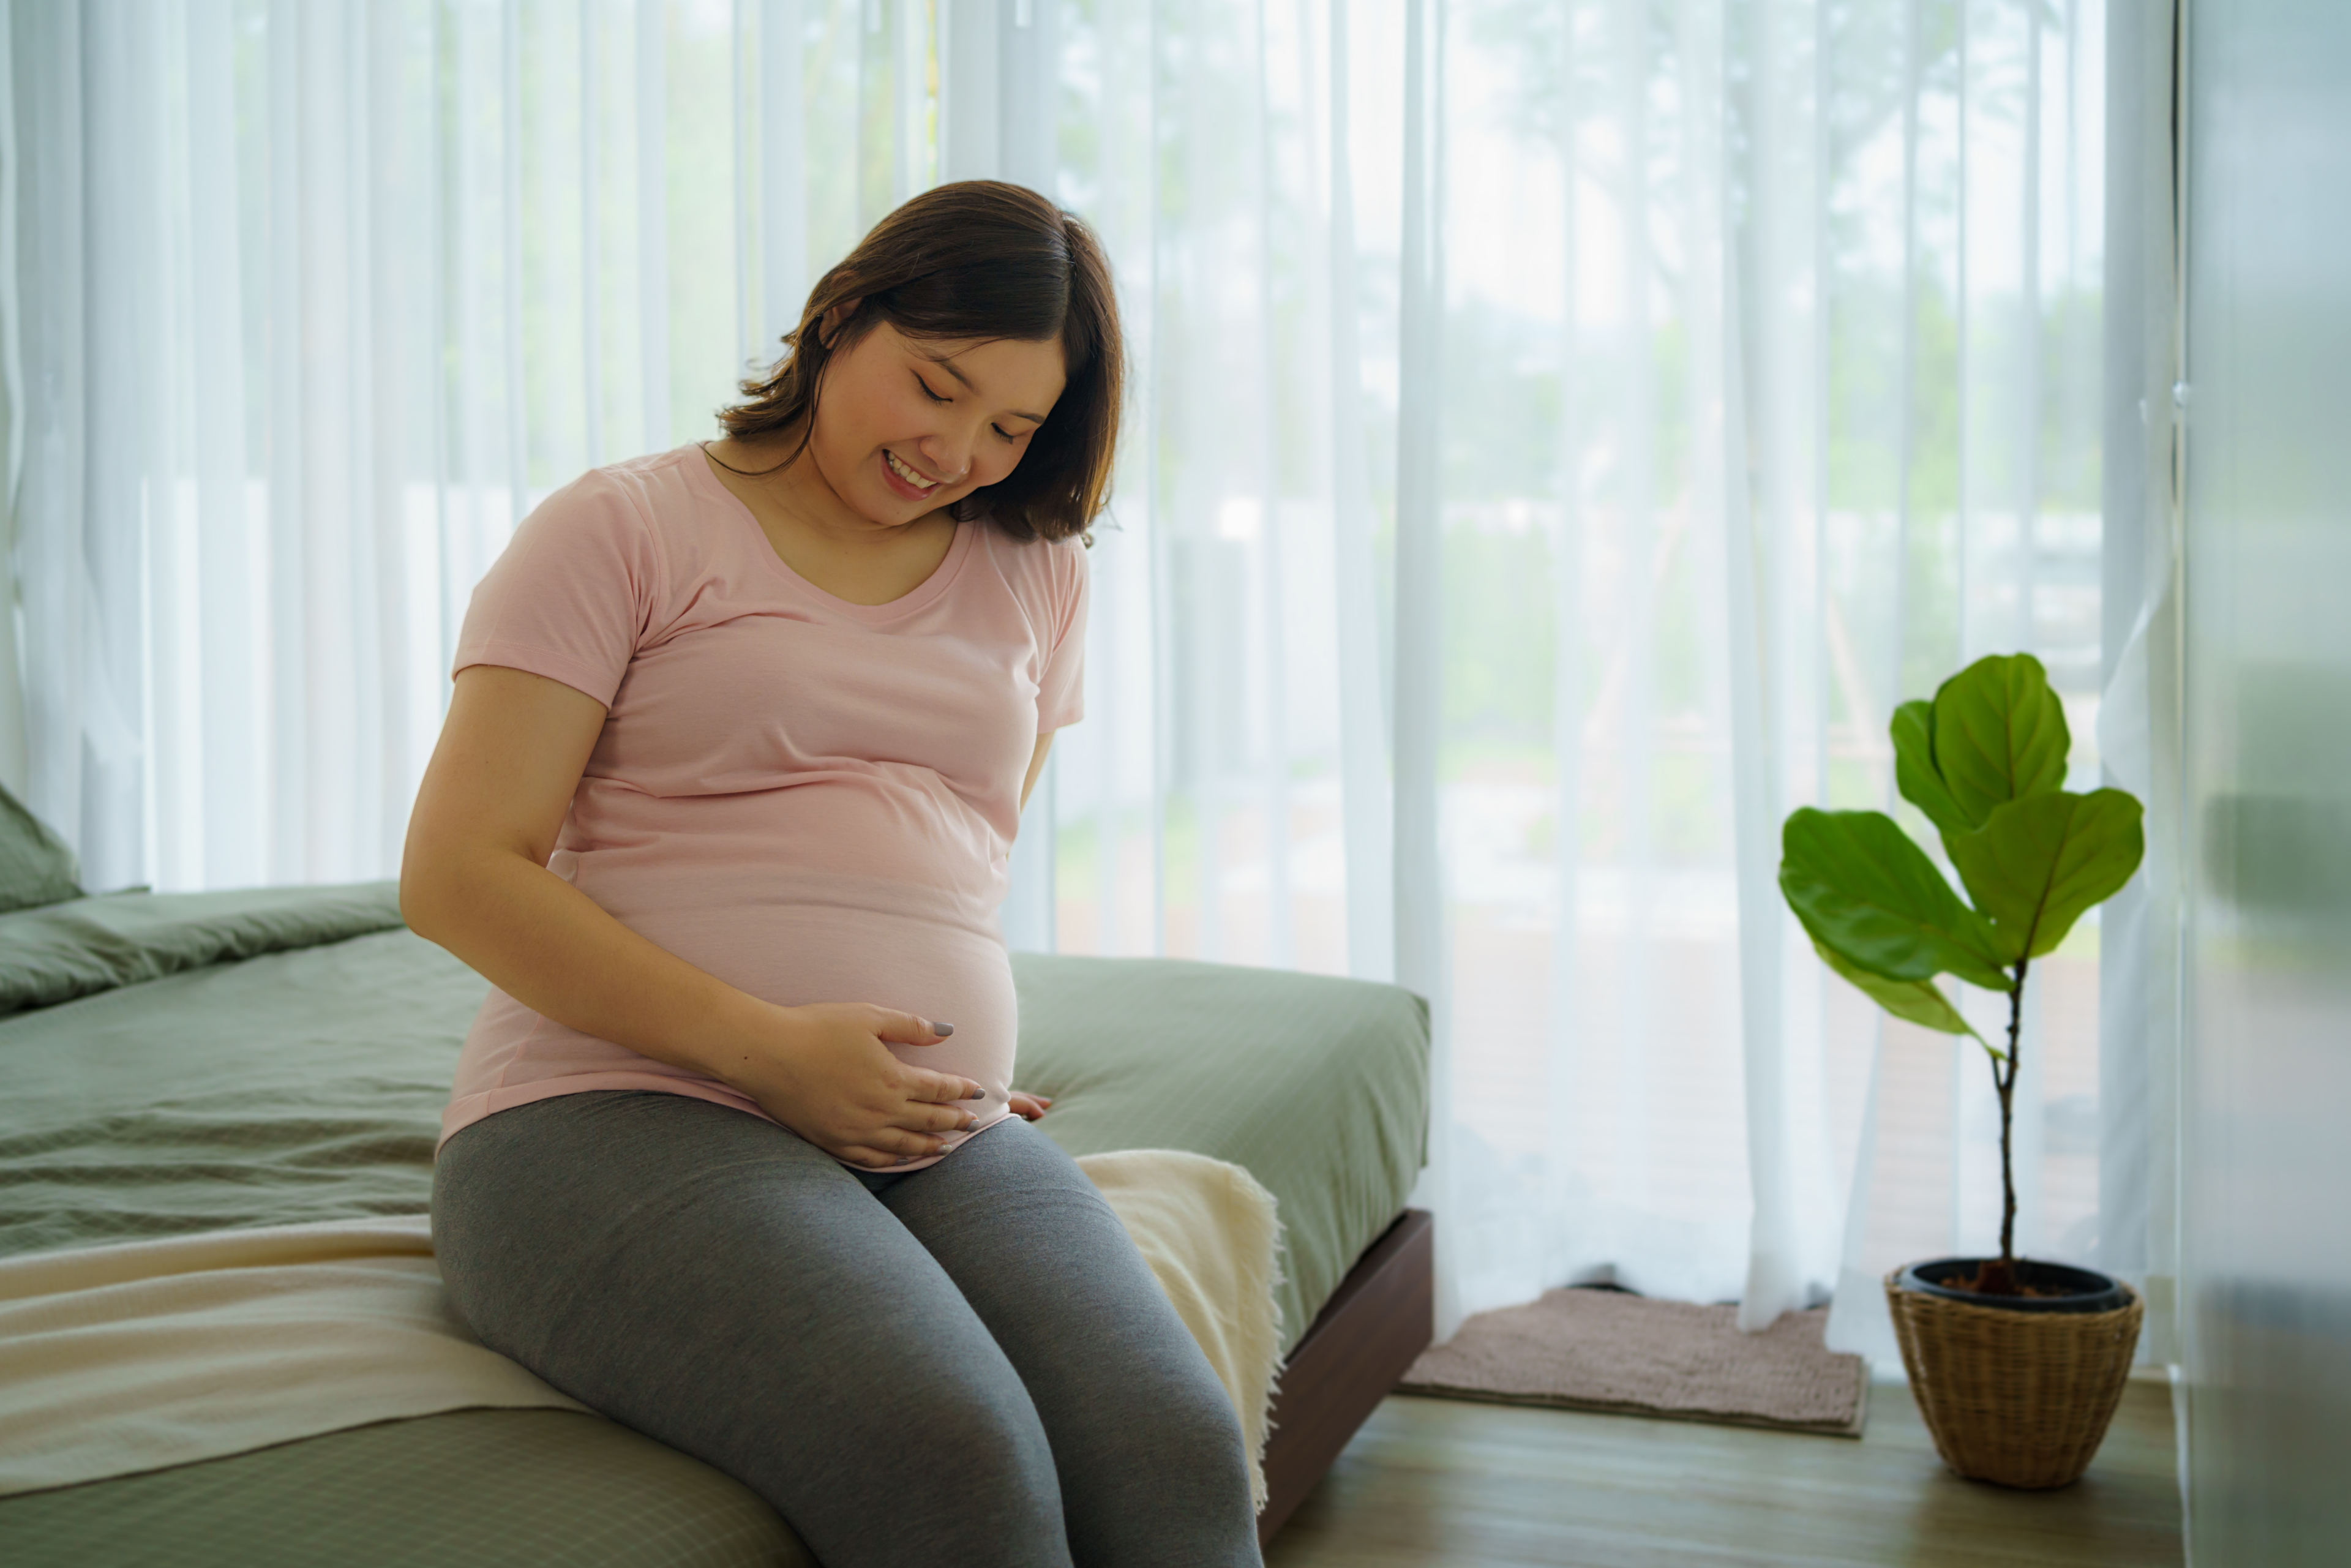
<point x="1914" y="1002"/>
<point x="2037" y="864"/>
<point x="2000" y="735"/>
<point x="1915" y="772"/>
<point x="1862" y="887"/>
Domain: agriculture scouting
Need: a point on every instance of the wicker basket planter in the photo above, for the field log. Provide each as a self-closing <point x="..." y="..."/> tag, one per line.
<point x="2018" y="1397"/>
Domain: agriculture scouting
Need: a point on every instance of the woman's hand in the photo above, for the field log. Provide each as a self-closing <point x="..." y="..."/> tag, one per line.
<point x="1028" y="1107"/>
<point x="825" y="1073"/>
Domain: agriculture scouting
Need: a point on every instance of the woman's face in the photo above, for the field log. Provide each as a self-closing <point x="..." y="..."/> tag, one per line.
<point x="905" y="425"/>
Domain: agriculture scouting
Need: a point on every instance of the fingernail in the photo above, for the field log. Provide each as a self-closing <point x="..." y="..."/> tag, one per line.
<point x="976" y="1094"/>
<point x="943" y="1028"/>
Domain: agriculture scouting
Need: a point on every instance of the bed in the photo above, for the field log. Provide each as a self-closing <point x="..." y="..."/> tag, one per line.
<point x="191" y="1063"/>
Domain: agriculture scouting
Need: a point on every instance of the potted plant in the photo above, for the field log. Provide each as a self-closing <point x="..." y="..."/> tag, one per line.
<point x="2017" y="1365"/>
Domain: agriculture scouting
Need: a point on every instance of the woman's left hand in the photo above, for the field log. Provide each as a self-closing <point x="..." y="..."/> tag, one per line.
<point x="1029" y="1107"/>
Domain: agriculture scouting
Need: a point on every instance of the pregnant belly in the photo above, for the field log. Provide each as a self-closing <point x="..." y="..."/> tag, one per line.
<point x="797" y="954"/>
<point x="794" y="940"/>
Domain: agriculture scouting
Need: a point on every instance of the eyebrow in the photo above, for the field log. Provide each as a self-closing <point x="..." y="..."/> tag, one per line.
<point x="948" y="365"/>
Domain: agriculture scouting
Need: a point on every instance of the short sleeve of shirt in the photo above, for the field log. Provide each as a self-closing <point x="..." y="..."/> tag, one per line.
<point x="1061" y="685"/>
<point x="573" y="595"/>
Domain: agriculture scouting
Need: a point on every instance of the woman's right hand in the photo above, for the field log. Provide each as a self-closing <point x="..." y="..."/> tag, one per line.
<point x="826" y="1072"/>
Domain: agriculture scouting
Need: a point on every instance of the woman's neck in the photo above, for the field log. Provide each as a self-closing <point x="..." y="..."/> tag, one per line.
<point x="816" y="534"/>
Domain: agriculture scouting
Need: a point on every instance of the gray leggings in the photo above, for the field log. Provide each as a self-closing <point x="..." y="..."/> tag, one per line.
<point x="965" y="1363"/>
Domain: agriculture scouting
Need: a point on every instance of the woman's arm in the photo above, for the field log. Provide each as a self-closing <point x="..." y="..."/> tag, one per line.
<point x="474" y="878"/>
<point x="1028" y="1106"/>
<point x="1036" y="765"/>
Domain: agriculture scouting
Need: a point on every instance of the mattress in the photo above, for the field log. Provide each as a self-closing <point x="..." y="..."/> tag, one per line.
<point x="469" y="1488"/>
<point x="264" y="1059"/>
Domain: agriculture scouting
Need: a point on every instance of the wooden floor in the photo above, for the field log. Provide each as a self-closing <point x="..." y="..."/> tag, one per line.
<point x="1430" y="1481"/>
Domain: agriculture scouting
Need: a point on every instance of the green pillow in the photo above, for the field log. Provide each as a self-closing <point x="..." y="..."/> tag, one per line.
<point x="36" y="867"/>
<point x="60" y="951"/>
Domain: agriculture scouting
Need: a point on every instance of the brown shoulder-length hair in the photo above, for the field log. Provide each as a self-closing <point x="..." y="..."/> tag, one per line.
<point x="976" y="258"/>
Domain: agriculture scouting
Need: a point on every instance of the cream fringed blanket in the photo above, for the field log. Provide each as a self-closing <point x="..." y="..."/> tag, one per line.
<point x="115" y="1360"/>
<point x="1210" y="1234"/>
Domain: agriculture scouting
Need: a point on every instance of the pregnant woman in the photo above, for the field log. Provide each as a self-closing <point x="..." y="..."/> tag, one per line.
<point x="738" y="745"/>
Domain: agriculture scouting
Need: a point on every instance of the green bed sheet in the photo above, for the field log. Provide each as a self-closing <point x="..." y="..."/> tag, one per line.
<point x="471" y="1488"/>
<point x="306" y="1083"/>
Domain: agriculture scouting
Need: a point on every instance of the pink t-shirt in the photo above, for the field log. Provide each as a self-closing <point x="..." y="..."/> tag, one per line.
<point x="809" y="799"/>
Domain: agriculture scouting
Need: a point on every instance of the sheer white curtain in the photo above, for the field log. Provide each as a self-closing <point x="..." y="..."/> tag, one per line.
<point x="318" y="299"/>
<point x="1569" y="430"/>
<point x="1562" y="431"/>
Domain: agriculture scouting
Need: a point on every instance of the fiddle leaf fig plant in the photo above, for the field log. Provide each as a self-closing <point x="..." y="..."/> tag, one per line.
<point x="1985" y="763"/>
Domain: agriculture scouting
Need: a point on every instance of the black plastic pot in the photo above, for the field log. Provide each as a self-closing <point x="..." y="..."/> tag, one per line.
<point x="2088" y="1290"/>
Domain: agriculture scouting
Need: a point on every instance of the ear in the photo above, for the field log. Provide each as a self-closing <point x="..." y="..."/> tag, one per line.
<point x="835" y="319"/>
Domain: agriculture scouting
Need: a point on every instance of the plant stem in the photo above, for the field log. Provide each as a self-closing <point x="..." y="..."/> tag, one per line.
<point x="2003" y="1076"/>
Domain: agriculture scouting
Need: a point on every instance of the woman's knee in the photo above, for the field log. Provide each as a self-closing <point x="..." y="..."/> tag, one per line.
<point x="940" y="1465"/>
<point x="1171" y="1490"/>
<point x="1192" y="1425"/>
<point x="983" y="1431"/>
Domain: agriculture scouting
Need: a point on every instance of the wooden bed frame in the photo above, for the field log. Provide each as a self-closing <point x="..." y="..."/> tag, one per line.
<point x="1380" y="1318"/>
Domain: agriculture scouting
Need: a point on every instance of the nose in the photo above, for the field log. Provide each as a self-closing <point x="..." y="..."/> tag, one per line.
<point x="947" y="454"/>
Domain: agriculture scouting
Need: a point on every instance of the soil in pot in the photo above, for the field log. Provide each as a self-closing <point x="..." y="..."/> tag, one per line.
<point x="2035" y="1286"/>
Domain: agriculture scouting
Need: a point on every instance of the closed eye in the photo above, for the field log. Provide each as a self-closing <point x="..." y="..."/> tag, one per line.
<point x="935" y="397"/>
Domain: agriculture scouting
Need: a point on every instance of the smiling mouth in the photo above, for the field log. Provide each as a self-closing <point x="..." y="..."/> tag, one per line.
<point x="911" y="477"/>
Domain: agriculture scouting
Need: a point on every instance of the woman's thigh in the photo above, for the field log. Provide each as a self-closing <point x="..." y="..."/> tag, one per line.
<point x="1144" y="1435"/>
<point x="716" y="1282"/>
